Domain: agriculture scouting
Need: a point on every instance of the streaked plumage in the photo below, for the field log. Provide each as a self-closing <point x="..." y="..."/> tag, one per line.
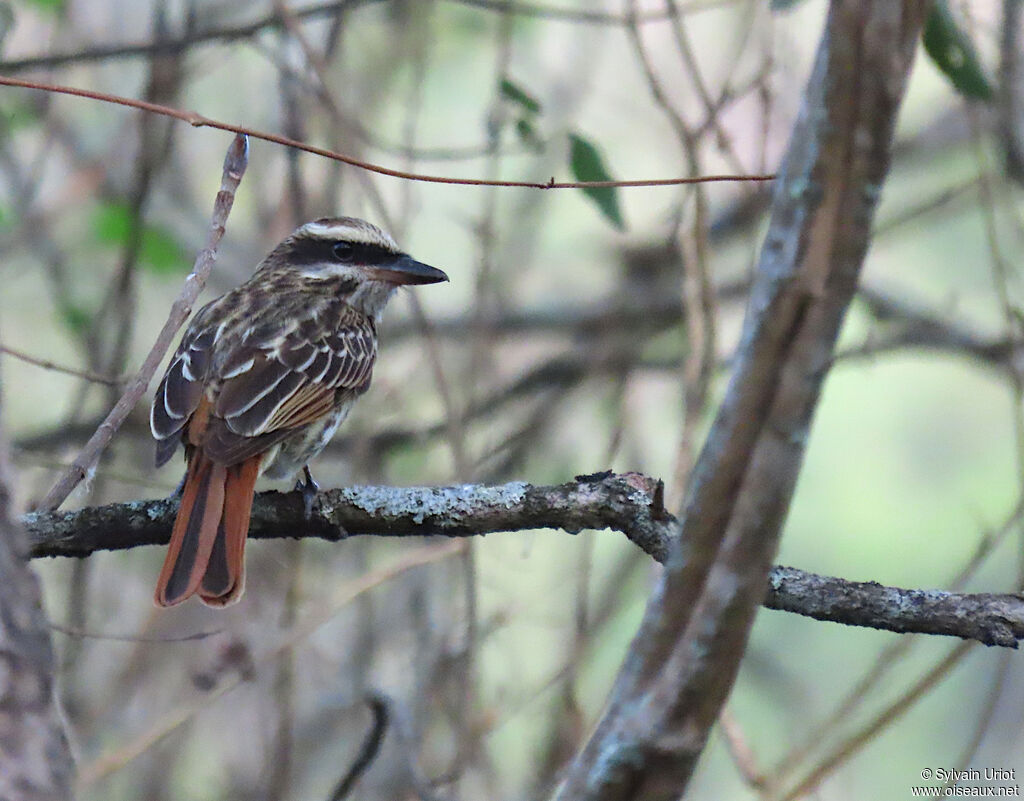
<point x="262" y="378"/>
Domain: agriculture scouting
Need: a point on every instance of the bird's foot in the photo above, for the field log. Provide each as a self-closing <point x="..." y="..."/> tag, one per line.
<point x="309" y="489"/>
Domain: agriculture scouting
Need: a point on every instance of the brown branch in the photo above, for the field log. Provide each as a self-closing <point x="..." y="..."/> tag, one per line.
<point x="989" y="618"/>
<point x="35" y="760"/>
<point x="197" y="120"/>
<point x="235" y="163"/>
<point x="627" y="503"/>
<point x="1010" y="99"/>
<point x="604" y="501"/>
<point x="684" y="658"/>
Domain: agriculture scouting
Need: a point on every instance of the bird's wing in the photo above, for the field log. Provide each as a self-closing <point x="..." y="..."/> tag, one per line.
<point x="182" y="386"/>
<point x="282" y="378"/>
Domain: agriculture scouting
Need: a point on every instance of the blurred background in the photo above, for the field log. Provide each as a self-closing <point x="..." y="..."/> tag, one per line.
<point x="580" y="332"/>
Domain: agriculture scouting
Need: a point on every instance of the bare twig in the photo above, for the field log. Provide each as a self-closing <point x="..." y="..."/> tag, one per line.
<point x="273" y="20"/>
<point x="197" y="120"/>
<point x="368" y="750"/>
<point x="324" y="610"/>
<point x="234" y="167"/>
<point x="87" y="375"/>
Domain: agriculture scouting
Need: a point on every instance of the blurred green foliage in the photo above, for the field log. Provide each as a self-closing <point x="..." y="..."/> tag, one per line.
<point x="953" y="52"/>
<point x="159" y="252"/>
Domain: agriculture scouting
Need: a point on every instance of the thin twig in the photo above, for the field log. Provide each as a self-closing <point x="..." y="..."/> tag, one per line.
<point x="235" y="163"/>
<point x="81" y="634"/>
<point x="88" y="375"/>
<point x="325" y="610"/>
<point x="197" y="120"/>
<point x="368" y="750"/>
<point x="273" y="20"/>
<point x="890" y="714"/>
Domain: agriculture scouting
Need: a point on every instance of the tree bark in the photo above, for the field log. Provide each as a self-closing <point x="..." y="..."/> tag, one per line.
<point x="683" y="661"/>
<point x="35" y="761"/>
<point x="629" y="503"/>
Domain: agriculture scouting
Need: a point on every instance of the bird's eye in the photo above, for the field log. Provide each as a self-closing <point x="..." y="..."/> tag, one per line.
<point x="343" y="251"/>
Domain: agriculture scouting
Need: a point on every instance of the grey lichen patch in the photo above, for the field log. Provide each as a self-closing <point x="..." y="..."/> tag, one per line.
<point x="447" y="505"/>
<point x="639" y="498"/>
<point x="154" y="511"/>
<point x="378" y="501"/>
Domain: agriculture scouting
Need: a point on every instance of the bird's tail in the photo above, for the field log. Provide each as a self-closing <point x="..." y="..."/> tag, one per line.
<point x="207" y="551"/>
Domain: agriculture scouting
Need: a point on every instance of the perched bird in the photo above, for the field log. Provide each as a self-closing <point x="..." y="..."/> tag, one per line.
<point x="262" y="378"/>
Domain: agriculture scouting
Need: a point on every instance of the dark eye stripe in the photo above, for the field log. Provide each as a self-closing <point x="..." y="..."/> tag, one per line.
<point x="314" y="250"/>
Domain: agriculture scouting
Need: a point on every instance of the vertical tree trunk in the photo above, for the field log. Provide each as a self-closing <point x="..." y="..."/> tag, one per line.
<point x="683" y="661"/>
<point x="35" y="762"/>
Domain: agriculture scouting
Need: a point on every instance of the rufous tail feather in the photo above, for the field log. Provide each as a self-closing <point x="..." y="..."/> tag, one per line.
<point x="224" y="579"/>
<point x="208" y="540"/>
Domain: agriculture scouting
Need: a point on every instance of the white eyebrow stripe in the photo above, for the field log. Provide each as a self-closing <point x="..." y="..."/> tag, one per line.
<point x="350" y="230"/>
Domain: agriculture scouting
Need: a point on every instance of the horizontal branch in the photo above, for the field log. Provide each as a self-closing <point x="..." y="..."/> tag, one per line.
<point x="629" y="503"/>
<point x="247" y="30"/>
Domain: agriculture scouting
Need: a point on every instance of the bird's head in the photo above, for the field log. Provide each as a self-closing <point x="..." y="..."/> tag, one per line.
<point x="359" y="257"/>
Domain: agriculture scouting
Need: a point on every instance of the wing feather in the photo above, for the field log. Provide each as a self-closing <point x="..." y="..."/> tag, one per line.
<point x="246" y="390"/>
<point x="255" y="418"/>
<point x="181" y="389"/>
<point x="294" y="381"/>
<point x="282" y="372"/>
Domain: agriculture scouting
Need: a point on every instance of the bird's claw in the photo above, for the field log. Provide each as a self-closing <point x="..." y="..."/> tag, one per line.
<point x="309" y="489"/>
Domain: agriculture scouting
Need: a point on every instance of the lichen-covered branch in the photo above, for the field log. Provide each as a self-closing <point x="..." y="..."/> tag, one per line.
<point x="628" y="503"/>
<point x="989" y="618"/>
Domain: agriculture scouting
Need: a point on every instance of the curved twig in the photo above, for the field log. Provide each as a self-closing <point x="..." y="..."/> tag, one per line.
<point x="197" y="120"/>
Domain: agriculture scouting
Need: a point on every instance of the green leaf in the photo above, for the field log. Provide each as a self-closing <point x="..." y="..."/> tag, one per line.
<point x="587" y="165"/>
<point x="528" y="135"/>
<point x="53" y="6"/>
<point x="112" y="223"/>
<point x="515" y="93"/>
<point x="18" y="116"/>
<point x="75" y="317"/>
<point x="159" y="252"/>
<point x="953" y="53"/>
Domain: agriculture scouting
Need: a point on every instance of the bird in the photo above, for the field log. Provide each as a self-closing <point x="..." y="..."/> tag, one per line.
<point x="262" y="378"/>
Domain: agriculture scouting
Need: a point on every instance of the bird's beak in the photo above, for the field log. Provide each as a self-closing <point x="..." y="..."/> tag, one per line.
<point x="406" y="270"/>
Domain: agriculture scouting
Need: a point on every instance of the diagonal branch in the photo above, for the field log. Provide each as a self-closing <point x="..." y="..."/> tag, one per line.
<point x="683" y="660"/>
<point x="235" y="163"/>
<point x="629" y="503"/>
